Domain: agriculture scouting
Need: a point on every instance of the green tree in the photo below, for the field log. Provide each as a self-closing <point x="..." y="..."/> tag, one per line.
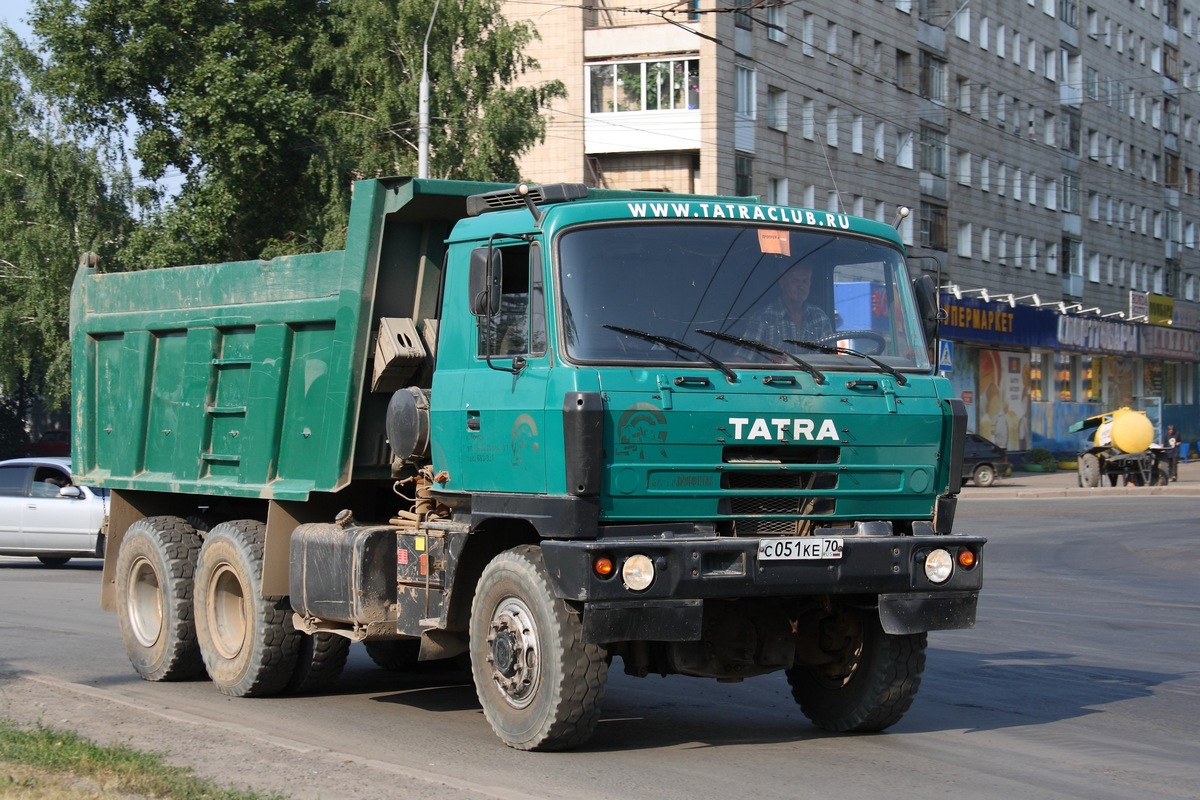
<point x="480" y="122"/>
<point x="269" y="108"/>
<point x="60" y="195"/>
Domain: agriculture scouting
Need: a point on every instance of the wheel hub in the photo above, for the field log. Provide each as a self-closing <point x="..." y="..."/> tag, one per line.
<point x="513" y="652"/>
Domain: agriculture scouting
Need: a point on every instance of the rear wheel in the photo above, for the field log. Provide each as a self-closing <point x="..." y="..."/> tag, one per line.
<point x="1089" y="470"/>
<point x="394" y="655"/>
<point x="54" y="561"/>
<point x="154" y="572"/>
<point x="320" y="659"/>
<point x="872" y="680"/>
<point x="984" y="475"/>
<point x="540" y="685"/>
<point x="248" y="642"/>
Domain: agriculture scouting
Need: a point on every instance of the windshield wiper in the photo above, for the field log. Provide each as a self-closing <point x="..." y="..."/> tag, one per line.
<point x="846" y="351"/>
<point x="667" y="341"/>
<point x="763" y="347"/>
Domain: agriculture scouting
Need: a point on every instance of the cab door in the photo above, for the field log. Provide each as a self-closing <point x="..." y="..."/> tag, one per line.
<point x="504" y="389"/>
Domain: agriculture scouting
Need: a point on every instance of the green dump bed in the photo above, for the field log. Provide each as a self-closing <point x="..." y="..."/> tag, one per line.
<point x="247" y="379"/>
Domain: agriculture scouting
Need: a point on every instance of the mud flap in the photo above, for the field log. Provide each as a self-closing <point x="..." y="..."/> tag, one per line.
<point x="927" y="611"/>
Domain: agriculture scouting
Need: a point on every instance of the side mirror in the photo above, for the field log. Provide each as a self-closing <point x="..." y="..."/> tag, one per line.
<point x="927" y="305"/>
<point x="484" y="281"/>
<point x="70" y="491"/>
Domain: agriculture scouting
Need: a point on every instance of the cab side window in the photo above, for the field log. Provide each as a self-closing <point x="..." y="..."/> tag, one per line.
<point x="519" y="327"/>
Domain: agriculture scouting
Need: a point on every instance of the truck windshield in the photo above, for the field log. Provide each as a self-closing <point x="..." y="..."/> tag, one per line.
<point x="737" y="292"/>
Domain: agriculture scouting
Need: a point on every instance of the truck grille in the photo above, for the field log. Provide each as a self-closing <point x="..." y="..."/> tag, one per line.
<point x="756" y="471"/>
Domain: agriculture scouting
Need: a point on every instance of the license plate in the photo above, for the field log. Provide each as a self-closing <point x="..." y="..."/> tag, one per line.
<point x="800" y="548"/>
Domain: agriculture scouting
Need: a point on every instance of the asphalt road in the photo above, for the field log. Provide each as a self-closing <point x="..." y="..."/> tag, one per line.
<point x="1081" y="680"/>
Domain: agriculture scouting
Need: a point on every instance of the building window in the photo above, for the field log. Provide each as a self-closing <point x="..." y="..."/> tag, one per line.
<point x="964" y="239"/>
<point x="742" y="16"/>
<point x="669" y="85"/>
<point x="933" y="151"/>
<point x="832" y="127"/>
<point x="777" y="191"/>
<point x="903" y="67"/>
<point x="744" y="175"/>
<point x="777" y="108"/>
<point x="904" y="149"/>
<point x="1068" y="12"/>
<point x="933" y="77"/>
<point x="933" y="226"/>
<point x="777" y="23"/>
<point x="1068" y="198"/>
<point x="964" y="167"/>
<point x="744" y="105"/>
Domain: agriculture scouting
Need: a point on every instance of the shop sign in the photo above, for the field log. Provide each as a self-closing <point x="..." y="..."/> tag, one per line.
<point x="1094" y="335"/>
<point x="971" y="319"/>
<point x="1172" y="343"/>
<point x="1162" y="309"/>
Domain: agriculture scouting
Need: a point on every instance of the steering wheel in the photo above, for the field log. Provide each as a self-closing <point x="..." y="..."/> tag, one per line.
<point x="874" y="337"/>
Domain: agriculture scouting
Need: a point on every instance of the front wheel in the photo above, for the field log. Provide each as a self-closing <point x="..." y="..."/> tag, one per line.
<point x="871" y="681"/>
<point x="540" y="685"/>
<point x="247" y="640"/>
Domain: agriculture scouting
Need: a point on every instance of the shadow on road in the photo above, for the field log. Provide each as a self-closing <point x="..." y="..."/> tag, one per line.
<point x="991" y="691"/>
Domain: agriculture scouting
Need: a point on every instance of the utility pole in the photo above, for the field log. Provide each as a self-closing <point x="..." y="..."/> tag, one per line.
<point x="423" y="104"/>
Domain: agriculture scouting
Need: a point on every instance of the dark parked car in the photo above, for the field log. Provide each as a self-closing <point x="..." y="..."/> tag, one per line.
<point x="983" y="461"/>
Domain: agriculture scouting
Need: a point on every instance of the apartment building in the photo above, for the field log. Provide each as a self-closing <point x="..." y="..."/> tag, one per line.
<point x="1047" y="150"/>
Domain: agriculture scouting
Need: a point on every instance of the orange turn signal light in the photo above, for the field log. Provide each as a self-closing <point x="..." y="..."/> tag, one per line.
<point x="966" y="558"/>
<point x="603" y="566"/>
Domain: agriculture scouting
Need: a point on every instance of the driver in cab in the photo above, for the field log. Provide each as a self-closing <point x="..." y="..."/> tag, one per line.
<point x="790" y="315"/>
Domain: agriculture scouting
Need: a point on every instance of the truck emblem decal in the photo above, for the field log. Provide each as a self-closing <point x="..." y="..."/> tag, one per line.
<point x="641" y="425"/>
<point x="783" y="429"/>
<point x="524" y="439"/>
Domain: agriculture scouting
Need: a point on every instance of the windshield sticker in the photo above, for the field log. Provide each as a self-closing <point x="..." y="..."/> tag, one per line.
<point x="773" y="242"/>
<point x="743" y="212"/>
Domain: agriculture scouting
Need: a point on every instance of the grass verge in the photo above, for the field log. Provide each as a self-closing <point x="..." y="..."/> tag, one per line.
<point x="47" y="764"/>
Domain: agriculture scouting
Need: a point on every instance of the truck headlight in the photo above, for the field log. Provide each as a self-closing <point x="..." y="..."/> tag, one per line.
<point x="939" y="565"/>
<point x="638" y="572"/>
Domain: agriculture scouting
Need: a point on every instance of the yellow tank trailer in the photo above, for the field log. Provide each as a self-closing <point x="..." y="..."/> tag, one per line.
<point x="1122" y="447"/>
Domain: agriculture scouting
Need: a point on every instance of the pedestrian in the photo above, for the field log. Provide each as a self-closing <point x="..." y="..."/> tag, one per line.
<point x="1172" y="445"/>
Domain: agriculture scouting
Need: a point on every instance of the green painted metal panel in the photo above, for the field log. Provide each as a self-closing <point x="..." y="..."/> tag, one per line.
<point x="247" y="378"/>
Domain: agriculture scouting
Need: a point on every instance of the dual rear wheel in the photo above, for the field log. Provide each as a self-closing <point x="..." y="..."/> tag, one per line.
<point x="187" y="606"/>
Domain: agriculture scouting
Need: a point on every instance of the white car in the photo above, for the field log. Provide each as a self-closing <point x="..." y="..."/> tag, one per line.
<point x="44" y="514"/>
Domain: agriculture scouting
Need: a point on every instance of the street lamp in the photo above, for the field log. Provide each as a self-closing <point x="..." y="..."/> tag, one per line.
<point x="423" y="104"/>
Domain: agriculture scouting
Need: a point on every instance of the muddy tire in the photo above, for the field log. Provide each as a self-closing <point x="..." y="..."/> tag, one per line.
<point x="394" y="655"/>
<point x="871" y="684"/>
<point x="320" y="659"/>
<point x="248" y="642"/>
<point x="540" y="686"/>
<point x="154" y="572"/>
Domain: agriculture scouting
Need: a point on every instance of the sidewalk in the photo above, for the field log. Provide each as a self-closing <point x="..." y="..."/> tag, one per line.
<point x="1065" y="483"/>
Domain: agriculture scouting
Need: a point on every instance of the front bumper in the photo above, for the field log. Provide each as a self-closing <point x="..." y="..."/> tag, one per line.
<point x="693" y="567"/>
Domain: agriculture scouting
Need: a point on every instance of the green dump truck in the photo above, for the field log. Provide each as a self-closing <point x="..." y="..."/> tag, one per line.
<point x="536" y="427"/>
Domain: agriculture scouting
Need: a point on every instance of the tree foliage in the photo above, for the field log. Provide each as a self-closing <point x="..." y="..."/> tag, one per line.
<point x="262" y="112"/>
<point x="59" y="197"/>
<point x="270" y="108"/>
